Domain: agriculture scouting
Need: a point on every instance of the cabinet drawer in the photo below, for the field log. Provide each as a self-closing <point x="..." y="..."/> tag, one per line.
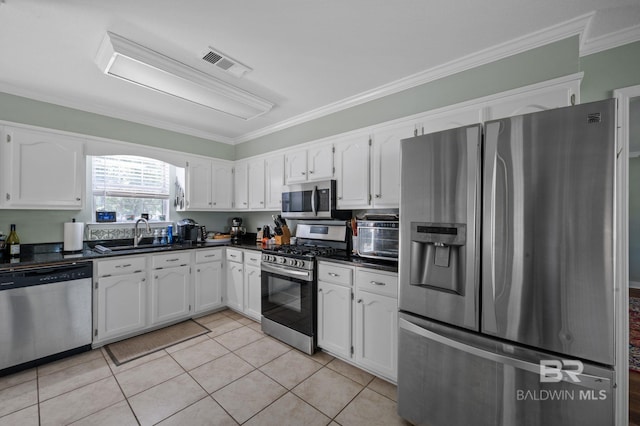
<point x="170" y="260"/>
<point x="121" y="266"/>
<point x="252" y="258"/>
<point x="203" y="256"/>
<point x="335" y="274"/>
<point x="377" y="282"/>
<point x="234" y="255"/>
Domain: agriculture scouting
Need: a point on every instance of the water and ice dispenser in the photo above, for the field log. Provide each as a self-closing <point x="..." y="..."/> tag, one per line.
<point x="436" y="259"/>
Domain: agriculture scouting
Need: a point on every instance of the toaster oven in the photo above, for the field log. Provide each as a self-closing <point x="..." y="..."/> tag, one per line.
<point x="378" y="239"/>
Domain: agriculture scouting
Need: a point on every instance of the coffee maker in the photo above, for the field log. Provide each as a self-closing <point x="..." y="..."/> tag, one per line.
<point x="236" y="230"/>
<point x="188" y="231"/>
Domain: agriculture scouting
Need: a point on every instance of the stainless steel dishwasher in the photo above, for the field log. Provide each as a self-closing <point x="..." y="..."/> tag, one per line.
<point x="45" y="312"/>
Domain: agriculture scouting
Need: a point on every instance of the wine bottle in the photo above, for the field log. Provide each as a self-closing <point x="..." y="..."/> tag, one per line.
<point x="13" y="242"/>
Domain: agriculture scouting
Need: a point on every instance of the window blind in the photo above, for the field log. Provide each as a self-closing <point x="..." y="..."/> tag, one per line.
<point x="130" y="176"/>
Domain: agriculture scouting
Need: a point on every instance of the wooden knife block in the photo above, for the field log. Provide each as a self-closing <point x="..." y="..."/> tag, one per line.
<point x="285" y="238"/>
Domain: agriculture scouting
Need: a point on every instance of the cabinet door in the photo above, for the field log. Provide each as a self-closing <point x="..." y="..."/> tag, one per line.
<point x="527" y="102"/>
<point x="43" y="170"/>
<point x="170" y="294"/>
<point x="320" y="162"/>
<point x="296" y="166"/>
<point x="352" y="173"/>
<point x="222" y="186"/>
<point x="449" y="120"/>
<point x="274" y="179"/>
<point x="121" y="305"/>
<point x="198" y="185"/>
<point x="385" y="166"/>
<point x="334" y="318"/>
<point x="208" y="286"/>
<point x="252" y="292"/>
<point x="240" y="186"/>
<point x="235" y="286"/>
<point x="256" y="184"/>
<point x="376" y="339"/>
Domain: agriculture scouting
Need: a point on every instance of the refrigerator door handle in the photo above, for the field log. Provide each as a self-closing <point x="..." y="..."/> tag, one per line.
<point x="585" y="380"/>
<point x="489" y="322"/>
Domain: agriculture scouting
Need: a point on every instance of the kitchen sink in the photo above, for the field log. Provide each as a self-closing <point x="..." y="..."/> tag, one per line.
<point x="102" y="249"/>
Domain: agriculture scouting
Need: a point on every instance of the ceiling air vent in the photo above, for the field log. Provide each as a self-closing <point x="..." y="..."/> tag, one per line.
<point x="225" y="63"/>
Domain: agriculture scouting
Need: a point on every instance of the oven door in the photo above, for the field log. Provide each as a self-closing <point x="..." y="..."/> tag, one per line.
<point x="288" y="298"/>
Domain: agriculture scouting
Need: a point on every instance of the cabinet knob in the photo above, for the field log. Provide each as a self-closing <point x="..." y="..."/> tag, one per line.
<point x="210" y="204"/>
<point x="319" y="290"/>
<point x="215" y="204"/>
<point x="359" y="300"/>
<point x="339" y="198"/>
<point x="378" y="195"/>
<point x="310" y="172"/>
<point x="261" y="202"/>
<point x="78" y="198"/>
<point x="143" y="280"/>
<point x="304" y="173"/>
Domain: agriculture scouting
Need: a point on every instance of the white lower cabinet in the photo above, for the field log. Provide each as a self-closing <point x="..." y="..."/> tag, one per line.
<point x="334" y="318"/>
<point x="244" y="281"/>
<point x="170" y="294"/>
<point x="252" y="285"/>
<point x="235" y="280"/>
<point x="335" y="300"/>
<point x="359" y="323"/>
<point x="121" y="297"/>
<point x="208" y="280"/>
<point x="122" y="305"/>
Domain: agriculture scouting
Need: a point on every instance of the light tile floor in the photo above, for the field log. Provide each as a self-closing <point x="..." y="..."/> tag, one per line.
<point x="233" y="375"/>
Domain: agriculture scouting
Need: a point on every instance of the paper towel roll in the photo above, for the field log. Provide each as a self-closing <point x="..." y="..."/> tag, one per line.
<point x="73" y="236"/>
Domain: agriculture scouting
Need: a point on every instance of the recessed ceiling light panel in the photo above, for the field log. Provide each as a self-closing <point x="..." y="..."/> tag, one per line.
<point x="137" y="64"/>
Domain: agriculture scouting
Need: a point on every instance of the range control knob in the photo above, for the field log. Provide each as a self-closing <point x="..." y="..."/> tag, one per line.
<point x="282" y="260"/>
<point x="292" y="262"/>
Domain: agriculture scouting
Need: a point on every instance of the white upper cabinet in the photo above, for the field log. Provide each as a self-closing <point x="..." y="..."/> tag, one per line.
<point x="385" y="165"/>
<point x="256" y="178"/>
<point x="533" y="101"/>
<point x="449" y="120"/>
<point x="274" y="179"/>
<point x="209" y="185"/>
<point x="222" y="186"/>
<point x="198" y="185"/>
<point x="240" y="185"/>
<point x="352" y="172"/>
<point x="313" y="163"/>
<point x="320" y="162"/>
<point x="42" y="170"/>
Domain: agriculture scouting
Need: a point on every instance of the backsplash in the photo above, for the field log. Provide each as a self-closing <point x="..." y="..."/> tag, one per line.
<point x="95" y="232"/>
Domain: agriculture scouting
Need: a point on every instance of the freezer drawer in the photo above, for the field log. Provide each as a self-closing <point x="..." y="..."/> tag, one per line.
<point x="450" y="377"/>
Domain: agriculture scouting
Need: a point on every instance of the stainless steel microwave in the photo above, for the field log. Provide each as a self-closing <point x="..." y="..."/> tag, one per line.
<point x="312" y="200"/>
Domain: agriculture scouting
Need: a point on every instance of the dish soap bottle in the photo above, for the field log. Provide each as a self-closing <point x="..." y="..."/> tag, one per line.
<point x="13" y="242"/>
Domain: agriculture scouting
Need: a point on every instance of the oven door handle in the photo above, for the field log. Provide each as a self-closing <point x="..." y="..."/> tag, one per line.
<point x="306" y="275"/>
<point x="314" y="207"/>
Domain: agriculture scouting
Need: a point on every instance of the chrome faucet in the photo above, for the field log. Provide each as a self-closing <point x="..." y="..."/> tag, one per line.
<point x="137" y="235"/>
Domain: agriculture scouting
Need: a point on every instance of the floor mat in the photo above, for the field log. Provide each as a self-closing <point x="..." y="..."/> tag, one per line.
<point x="634" y="334"/>
<point x="139" y="346"/>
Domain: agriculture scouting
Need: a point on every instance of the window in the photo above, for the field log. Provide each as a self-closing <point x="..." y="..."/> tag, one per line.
<point x="131" y="186"/>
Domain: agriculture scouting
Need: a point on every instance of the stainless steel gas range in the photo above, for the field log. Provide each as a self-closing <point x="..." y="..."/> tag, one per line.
<point x="289" y="286"/>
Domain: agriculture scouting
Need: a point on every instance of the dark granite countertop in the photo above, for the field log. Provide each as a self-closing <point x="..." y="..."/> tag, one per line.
<point x="354" y="260"/>
<point x="52" y="254"/>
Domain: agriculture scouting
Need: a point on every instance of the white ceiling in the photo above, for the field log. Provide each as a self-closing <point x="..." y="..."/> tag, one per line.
<point x="308" y="57"/>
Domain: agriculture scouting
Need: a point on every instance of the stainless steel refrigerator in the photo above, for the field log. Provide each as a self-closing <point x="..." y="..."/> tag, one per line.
<point x="506" y="271"/>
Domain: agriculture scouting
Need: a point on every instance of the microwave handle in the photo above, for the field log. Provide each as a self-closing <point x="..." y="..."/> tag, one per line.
<point x="314" y="206"/>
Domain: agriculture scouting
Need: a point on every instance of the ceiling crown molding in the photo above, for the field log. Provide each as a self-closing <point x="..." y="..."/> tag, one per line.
<point x="609" y="41"/>
<point x="540" y="38"/>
